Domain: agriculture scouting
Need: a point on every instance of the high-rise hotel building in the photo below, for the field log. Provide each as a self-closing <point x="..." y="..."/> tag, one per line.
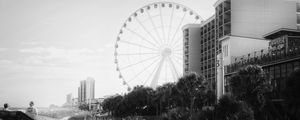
<point x="190" y="44"/>
<point x="200" y="49"/>
<point x="86" y="91"/>
<point x="237" y="28"/>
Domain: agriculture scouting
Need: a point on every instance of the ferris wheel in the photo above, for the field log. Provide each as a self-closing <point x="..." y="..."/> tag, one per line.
<point x="149" y="46"/>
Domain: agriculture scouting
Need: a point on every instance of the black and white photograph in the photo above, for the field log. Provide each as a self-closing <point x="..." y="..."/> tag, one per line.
<point x="149" y="59"/>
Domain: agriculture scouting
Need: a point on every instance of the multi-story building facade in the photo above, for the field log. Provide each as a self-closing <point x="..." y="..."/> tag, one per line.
<point x="278" y="60"/>
<point x="208" y="49"/>
<point x="69" y="98"/>
<point x="191" y="49"/>
<point x="237" y="28"/>
<point x="200" y="49"/>
<point x="243" y="24"/>
<point x="86" y="91"/>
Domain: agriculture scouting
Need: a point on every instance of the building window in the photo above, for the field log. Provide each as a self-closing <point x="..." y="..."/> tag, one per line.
<point x="283" y="71"/>
<point x="298" y="7"/>
<point x="290" y="67"/>
<point x="296" y="64"/>
<point x="298" y="18"/>
<point x="225" y="50"/>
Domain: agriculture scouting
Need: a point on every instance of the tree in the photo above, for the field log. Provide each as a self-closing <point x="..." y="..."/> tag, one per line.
<point x="164" y="97"/>
<point x="228" y="108"/>
<point x="137" y="102"/>
<point x="111" y="104"/>
<point x="251" y="85"/>
<point x="191" y="87"/>
<point x="292" y="96"/>
<point x="84" y="106"/>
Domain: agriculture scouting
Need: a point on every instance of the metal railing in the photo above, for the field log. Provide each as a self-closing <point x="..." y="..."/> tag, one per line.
<point x="263" y="58"/>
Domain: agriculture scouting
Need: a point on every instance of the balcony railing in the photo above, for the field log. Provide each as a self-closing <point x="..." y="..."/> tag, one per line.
<point x="263" y="59"/>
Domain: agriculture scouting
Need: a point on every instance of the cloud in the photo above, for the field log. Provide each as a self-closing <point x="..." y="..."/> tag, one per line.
<point x="3" y="49"/>
<point x="32" y="43"/>
<point x="5" y="62"/>
<point x="109" y="45"/>
<point x="60" y="57"/>
<point x="36" y="50"/>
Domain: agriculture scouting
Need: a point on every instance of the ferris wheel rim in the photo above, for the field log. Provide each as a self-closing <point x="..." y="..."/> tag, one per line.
<point x="140" y="11"/>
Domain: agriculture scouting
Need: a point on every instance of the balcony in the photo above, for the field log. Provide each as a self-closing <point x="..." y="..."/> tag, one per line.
<point x="227" y="17"/>
<point x="227" y="6"/>
<point x="265" y="59"/>
<point x="219" y="9"/>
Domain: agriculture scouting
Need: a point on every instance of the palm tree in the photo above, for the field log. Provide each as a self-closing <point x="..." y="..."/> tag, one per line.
<point x="251" y="85"/>
<point x="190" y="87"/>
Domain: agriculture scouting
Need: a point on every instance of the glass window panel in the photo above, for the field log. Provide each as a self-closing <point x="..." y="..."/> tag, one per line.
<point x="298" y="18"/>
<point x="296" y="64"/>
<point x="283" y="71"/>
<point x="277" y="72"/>
<point x="272" y="72"/>
<point x="290" y="68"/>
<point x="298" y="7"/>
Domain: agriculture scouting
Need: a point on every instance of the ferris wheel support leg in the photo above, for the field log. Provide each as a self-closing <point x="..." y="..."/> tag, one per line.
<point x="154" y="82"/>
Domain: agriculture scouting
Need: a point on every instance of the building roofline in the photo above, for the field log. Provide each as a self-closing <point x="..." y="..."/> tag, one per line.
<point x="218" y="2"/>
<point x="280" y="31"/>
<point x="207" y="20"/>
<point x="190" y="25"/>
<point x="228" y="36"/>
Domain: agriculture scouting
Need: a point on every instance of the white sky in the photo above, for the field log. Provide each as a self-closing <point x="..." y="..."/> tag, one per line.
<point x="48" y="46"/>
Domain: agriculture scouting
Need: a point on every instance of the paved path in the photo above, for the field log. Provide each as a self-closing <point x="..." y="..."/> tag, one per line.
<point x="49" y="118"/>
<point x="45" y="118"/>
<point x="65" y="118"/>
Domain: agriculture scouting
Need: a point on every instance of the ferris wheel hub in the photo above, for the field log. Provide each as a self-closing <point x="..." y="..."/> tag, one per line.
<point x="166" y="52"/>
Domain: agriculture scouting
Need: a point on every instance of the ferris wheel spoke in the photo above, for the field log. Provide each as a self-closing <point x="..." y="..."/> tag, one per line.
<point x="146" y="68"/>
<point x="176" y="53"/>
<point x="140" y="36"/>
<point x="179" y="40"/>
<point x="125" y="54"/>
<point x="178" y="50"/>
<point x="145" y="29"/>
<point x="162" y="24"/>
<point x="173" y="67"/>
<point x="171" y="21"/>
<point x="157" y="74"/>
<point x="172" y="73"/>
<point x="178" y="27"/>
<point x="180" y="58"/>
<point x="148" y="78"/>
<point x="166" y="72"/>
<point x="154" y="26"/>
<point x="176" y="60"/>
<point x="139" y="62"/>
<point x="134" y="44"/>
